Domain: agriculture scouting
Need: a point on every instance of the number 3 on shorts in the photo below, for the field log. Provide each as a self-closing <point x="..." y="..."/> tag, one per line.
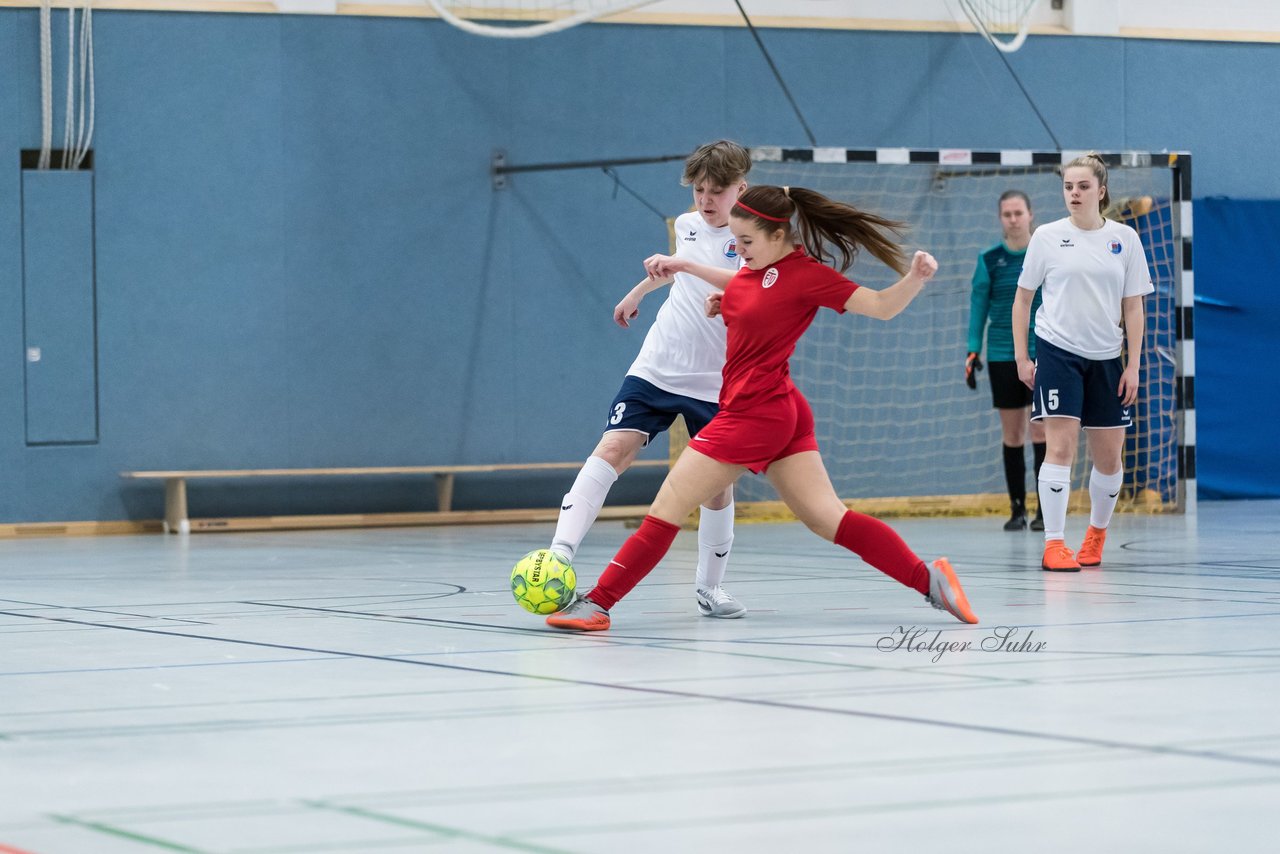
<point x="1053" y="399"/>
<point x="622" y="407"/>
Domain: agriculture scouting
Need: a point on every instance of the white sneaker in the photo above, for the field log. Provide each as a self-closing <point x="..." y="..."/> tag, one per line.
<point x="718" y="602"/>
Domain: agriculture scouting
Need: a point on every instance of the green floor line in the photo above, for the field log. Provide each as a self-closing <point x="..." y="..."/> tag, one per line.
<point x="451" y="832"/>
<point x="125" y="834"/>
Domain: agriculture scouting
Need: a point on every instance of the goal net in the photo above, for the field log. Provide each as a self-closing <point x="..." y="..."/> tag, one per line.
<point x="899" y="429"/>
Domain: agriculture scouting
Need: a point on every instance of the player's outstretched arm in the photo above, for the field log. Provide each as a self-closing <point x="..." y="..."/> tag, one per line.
<point x="669" y="265"/>
<point x="889" y="303"/>
<point x="629" y="309"/>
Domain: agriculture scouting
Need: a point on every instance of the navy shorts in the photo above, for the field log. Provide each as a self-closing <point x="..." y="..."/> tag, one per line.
<point x="642" y="407"/>
<point x="1007" y="391"/>
<point x="1080" y="388"/>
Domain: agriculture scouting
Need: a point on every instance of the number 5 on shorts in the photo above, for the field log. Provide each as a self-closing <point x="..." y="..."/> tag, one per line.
<point x="1053" y="399"/>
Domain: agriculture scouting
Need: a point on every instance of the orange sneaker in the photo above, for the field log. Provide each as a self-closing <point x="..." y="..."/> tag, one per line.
<point x="1091" y="550"/>
<point x="946" y="594"/>
<point x="1058" y="558"/>
<point x="582" y="615"/>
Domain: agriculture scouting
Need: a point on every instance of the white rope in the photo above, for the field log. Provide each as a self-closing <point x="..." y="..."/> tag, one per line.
<point x="69" y="119"/>
<point x="46" y="83"/>
<point x="532" y="30"/>
<point x="85" y="135"/>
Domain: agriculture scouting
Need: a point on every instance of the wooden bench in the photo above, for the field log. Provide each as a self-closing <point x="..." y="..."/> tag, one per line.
<point x="176" y="520"/>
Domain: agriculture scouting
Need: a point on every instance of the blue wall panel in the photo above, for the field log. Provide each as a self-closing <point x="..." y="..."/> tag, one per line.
<point x="300" y="259"/>
<point x="13" y="428"/>
<point x="1236" y="317"/>
<point x="193" y="297"/>
<point x="59" y="307"/>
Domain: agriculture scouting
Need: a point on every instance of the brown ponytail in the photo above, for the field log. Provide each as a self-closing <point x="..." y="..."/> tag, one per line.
<point x="826" y="227"/>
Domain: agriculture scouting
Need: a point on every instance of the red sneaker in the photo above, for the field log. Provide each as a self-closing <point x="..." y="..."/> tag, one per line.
<point x="1091" y="550"/>
<point x="1058" y="558"/>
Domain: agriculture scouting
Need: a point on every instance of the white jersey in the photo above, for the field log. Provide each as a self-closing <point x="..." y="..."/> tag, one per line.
<point x="684" y="350"/>
<point x="1085" y="275"/>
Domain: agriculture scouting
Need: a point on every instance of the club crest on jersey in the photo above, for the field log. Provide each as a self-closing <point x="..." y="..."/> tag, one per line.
<point x="731" y="248"/>
<point x="770" y="276"/>
<point x="1115" y="247"/>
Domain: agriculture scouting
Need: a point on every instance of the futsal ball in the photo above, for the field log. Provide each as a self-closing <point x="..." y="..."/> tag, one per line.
<point x="542" y="583"/>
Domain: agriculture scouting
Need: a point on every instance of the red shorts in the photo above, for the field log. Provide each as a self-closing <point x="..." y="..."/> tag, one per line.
<point x="757" y="437"/>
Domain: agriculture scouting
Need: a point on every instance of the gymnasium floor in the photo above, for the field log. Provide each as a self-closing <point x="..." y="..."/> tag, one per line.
<point x="378" y="690"/>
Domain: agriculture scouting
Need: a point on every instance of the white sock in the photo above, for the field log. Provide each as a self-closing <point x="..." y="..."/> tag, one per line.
<point x="1103" y="491"/>
<point x="1055" y="492"/>
<point x="715" y="539"/>
<point x="581" y="505"/>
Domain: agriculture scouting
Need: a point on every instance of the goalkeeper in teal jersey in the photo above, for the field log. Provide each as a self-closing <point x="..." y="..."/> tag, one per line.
<point x="995" y="282"/>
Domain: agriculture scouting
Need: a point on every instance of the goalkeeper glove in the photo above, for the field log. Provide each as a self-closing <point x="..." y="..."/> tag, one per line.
<point x="972" y="364"/>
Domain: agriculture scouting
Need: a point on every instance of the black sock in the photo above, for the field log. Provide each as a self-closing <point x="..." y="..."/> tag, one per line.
<point x="1015" y="477"/>
<point x="1038" y="450"/>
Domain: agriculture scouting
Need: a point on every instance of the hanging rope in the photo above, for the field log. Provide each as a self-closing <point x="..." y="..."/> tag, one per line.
<point x="84" y="136"/>
<point x="1001" y="51"/>
<point x="69" y="118"/>
<point x="77" y="126"/>
<point x="617" y="182"/>
<point x="46" y="83"/>
<point x="777" y="75"/>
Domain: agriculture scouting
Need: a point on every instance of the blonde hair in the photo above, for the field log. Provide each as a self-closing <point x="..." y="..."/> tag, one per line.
<point x="1093" y="162"/>
<point x="723" y="163"/>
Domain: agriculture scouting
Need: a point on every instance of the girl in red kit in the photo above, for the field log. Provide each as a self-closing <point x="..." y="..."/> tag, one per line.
<point x="764" y="424"/>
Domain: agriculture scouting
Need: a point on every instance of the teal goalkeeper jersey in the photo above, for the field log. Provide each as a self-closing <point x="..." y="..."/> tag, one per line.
<point x="995" y="283"/>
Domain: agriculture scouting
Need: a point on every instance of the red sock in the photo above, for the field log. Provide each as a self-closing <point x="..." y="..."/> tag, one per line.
<point x="879" y="545"/>
<point x="636" y="559"/>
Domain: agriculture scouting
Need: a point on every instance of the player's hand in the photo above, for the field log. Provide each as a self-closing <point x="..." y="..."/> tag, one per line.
<point x="663" y="266"/>
<point x="1128" y="391"/>
<point x="626" y="311"/>
<point x="972" y="364"/>
<point x="1027" y="373"/>
<point x="924" y="266"/>
<point x="712" y="304"/>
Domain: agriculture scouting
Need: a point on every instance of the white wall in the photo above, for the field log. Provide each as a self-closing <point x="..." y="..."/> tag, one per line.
<point x="1244" y="20"/>
<point x="1219" y="20"/>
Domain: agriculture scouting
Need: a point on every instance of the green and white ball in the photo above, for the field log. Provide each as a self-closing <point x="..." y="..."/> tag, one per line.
<point x="542" y="583"/>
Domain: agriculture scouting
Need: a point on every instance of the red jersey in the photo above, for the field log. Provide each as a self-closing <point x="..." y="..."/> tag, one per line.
<point x="766" y="311"/>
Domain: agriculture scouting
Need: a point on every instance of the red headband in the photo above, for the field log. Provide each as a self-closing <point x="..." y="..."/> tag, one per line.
<point x="762" y="215"/>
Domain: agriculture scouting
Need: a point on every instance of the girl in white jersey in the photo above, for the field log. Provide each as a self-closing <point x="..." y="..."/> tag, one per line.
<point x="1094" y="273"/>
<point x="678" y="372"/>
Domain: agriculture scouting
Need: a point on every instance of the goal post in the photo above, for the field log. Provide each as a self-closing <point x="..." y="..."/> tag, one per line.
<point x="900" y="431"/>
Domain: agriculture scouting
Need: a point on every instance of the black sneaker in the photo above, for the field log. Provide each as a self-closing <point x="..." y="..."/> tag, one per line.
<point x="1037" y="524"/>
<point x="1017" y="522"/>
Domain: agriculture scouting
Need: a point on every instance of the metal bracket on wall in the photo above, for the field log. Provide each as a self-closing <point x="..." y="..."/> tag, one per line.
<point x="497" y="164"/>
